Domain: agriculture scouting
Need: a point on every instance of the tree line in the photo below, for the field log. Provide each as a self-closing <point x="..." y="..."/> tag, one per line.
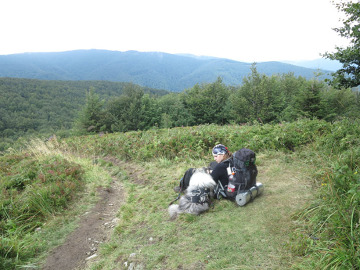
<point x="31" y="107"/>
<point x="260" y="98"/>
<point x="42" y="108"/>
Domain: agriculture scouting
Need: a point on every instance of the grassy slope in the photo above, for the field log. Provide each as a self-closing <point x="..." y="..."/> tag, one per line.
<point x="39" y="203"/>
<point x="227" y="237"/>
<point x="259" y="235"/>
<point x="326" y="236"/>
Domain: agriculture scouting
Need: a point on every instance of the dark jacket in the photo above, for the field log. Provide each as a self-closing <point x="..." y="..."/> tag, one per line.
<point x="219" y="173"/>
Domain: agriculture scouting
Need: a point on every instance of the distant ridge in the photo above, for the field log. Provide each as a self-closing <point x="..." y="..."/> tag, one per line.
<point x="321" y="63"/>
<point x="158" y="70"/>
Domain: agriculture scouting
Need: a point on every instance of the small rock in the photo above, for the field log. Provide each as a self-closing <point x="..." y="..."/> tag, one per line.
<point x="115" y="220"/>
<point x="91" y="257"/>
<point x="132" y="255"/>
<point x="151" y="239"/>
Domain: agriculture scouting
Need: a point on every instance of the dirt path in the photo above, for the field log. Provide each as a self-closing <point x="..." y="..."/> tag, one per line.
<point x="94" y="228"/>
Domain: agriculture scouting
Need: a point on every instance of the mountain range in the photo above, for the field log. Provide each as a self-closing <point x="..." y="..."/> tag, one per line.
<point x="173" y="72"/>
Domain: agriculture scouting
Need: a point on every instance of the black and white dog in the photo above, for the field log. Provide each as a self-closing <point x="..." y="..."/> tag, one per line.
<point x="196" y="199"/>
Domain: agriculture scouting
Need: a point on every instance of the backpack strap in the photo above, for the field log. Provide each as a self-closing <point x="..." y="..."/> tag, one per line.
<point x="200" y="195"/>
<point x="230" y="160"/>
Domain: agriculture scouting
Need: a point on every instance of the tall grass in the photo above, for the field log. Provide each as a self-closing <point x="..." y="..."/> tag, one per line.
<point x="35" y="185"/>
<point x="333" y="220"/>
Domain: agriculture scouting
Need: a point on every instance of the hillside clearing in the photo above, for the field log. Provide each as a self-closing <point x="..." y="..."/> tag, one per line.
<point x="309" y="170"/>
<point x="256" y="236"/>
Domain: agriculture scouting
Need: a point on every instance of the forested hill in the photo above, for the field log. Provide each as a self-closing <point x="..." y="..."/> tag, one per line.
<point x="151" y="69"/>
<point x="44" y="106"/>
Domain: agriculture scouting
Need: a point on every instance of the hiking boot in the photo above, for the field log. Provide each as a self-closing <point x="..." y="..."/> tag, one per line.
<point x="177" y="189"/>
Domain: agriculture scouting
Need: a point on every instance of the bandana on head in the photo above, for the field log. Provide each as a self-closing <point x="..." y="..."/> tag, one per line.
<point x="220" y="149"/>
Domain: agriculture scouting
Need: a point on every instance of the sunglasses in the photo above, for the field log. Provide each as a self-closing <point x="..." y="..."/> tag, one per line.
<point x="218" y="151"/>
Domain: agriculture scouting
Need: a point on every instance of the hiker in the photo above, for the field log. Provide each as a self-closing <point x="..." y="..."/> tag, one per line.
<point x="217" y="168"/>
<point x="219" y="172"/>
<point x="234" y="175"/>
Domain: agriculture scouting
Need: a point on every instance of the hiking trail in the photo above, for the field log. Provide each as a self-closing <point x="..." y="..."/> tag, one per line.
<point x="95" y="226"/>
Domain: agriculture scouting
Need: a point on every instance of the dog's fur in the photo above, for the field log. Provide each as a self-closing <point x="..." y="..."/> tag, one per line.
<point x="200" y="179"/>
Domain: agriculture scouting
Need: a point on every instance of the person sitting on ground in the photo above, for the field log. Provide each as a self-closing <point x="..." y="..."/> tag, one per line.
<point x="217" y="169"/>
<point x="219" y="173"/>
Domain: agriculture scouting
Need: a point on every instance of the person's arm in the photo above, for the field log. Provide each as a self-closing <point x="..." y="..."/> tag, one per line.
<point x="216" y="173"/>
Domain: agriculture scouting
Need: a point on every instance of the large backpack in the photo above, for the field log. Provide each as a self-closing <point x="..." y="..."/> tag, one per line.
<point x="242" y="172"/>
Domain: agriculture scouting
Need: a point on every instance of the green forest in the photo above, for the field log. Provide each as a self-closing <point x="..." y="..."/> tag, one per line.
<point x="43" y="108"/>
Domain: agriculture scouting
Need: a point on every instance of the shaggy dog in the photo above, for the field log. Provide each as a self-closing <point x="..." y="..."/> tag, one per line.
<point x="197" y="195"/>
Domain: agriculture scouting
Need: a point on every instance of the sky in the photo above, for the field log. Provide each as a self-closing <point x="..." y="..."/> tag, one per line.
<point x="242" y="30"/>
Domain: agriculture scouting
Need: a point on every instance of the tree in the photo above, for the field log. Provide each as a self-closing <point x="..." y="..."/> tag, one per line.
<point x="126" y="110"/>
<point x="207" y="102"/>
<point x="150" y="113"/>
<point x="308" y="99"/>
<point x="291" y="87"/>
<point x="92" y="114"/>
<point x="173" y="112"/>
<point x="349" y="57"/>
<point x="258" y="99"/>
<point x="337" y="103"/>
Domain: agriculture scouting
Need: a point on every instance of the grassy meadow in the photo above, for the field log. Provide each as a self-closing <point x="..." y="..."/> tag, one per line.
<point x="307" y="218"/>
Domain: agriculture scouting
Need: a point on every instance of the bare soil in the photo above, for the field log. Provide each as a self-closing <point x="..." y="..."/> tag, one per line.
<point x="95" y="227"/>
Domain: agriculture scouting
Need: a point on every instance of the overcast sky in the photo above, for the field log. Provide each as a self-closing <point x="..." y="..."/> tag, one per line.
<point x="243" y="30"/>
